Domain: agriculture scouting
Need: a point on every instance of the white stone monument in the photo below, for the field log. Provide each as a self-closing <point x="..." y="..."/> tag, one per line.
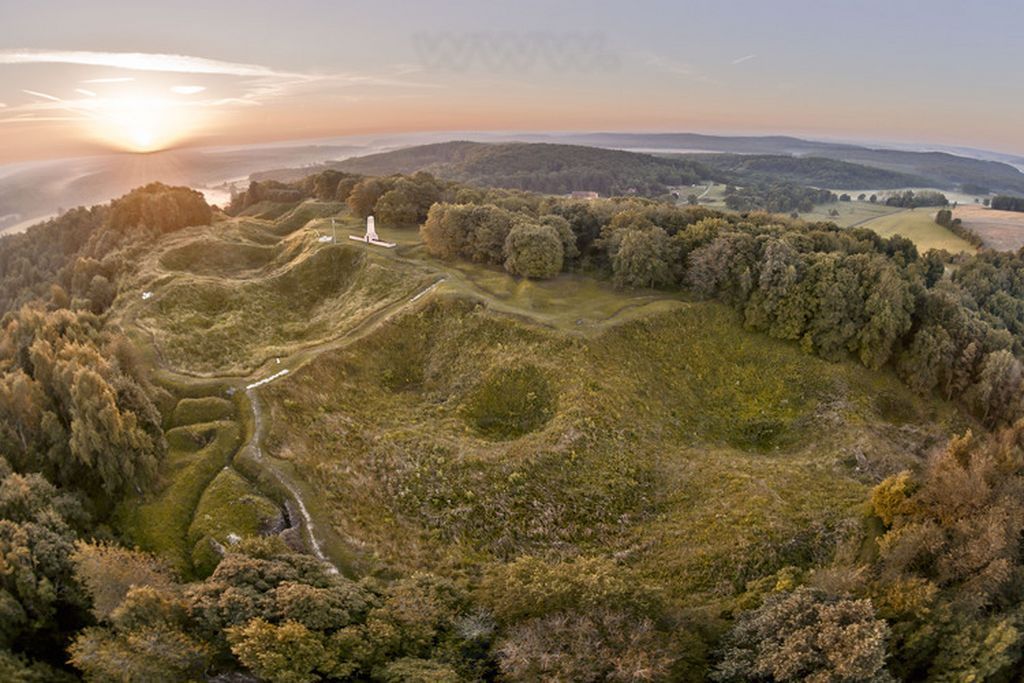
<point x="371" y="236"/>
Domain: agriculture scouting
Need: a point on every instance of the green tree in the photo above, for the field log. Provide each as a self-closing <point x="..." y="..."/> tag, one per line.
<point x="644" y="258"/>
<point x="288" y="653"/>
<point x="533" y="250"/>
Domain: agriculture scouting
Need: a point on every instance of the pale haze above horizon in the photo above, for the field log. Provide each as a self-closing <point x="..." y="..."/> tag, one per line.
<point x="77" y="78"/>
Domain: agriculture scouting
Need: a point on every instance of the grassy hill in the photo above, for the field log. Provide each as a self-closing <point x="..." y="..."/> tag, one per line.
<point x="489" y="418"/>
<point x="555" y="169"/>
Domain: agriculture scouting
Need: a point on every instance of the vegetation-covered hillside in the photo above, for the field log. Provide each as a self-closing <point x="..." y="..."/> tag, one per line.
<point x="805" y="170"/>
<point x="554" y="169"/>
<point x="541" y="439"/>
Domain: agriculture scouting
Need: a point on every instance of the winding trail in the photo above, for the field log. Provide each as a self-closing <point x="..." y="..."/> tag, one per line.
<point x="252" y="450"/>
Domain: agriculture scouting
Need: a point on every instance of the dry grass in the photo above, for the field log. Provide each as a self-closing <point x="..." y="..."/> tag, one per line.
<point x="919" y="226"/>
<point x="1000" y="230"/>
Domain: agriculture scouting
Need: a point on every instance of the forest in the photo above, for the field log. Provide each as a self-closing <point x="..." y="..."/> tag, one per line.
<point x="548" y="168"/>
<point x="930" y="584"/>
<point x="805" y="170"/>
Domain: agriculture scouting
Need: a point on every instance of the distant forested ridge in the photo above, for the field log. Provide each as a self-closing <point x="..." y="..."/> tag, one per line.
<point x="941" y="169"/>
<point x="805" y="170"/>
<point x="547" y="168"/>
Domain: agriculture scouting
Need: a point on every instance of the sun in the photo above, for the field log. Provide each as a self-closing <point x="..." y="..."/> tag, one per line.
<point x="142" y="124"/>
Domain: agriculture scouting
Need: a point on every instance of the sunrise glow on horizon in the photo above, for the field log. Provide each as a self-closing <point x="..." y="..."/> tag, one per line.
<point x="70" y="86"/>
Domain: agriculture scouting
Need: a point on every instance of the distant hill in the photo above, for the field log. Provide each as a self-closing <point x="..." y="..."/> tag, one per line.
<point x="939" y="169"/>
<point x="537" y="167"/>
<point x="816" y="171"/>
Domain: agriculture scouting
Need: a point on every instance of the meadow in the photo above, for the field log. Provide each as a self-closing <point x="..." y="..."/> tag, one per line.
<point x="919" y="226"/>
<point x="1001" y="230"/>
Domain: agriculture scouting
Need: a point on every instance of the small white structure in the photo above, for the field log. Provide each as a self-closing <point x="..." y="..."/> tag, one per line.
<point x="371" y="236"/>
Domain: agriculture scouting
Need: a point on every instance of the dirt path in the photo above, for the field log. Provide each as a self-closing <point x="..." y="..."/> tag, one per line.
<point x="251" y="452"/>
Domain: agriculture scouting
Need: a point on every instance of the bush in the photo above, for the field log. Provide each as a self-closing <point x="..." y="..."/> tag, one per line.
<point x="805" y="635"/>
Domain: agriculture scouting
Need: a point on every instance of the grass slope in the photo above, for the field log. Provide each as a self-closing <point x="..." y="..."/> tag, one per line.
<point x="498" y="417"/>
<point x="226" y="301"/>
<point x="920" y="227"/>
<point x="675" y="442"/>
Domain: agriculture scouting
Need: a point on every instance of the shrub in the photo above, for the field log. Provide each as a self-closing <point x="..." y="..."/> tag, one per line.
<point x="805" y="635"/>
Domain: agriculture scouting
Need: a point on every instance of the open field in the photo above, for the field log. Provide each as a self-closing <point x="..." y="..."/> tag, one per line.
<point x="1001" y="230"/>
<point x="919" y="226"/>
<point x="851" y="213"/>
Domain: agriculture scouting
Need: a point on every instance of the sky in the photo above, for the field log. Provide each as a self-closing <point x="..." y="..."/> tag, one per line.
<point x="80" y="77"/>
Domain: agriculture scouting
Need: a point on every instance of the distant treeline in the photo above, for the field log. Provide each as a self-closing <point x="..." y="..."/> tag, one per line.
<point x="812" y="171"/>
<point x="776" y="197"/>
<point x="912" y="200"/>
<point x="1008" y="203"/>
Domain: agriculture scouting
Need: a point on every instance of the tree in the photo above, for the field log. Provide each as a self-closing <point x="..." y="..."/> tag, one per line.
<point x="363" y="198"/>
<point x="476" y="233"/>
<point x="36" y="542"/>
<point x="806" y="635"/>
<point x="533" y="250"/>
<point x="887" y="308"/>
<point x="147" y="638"/>
<point x="644" y="259"/>
<point x="289" y="653"/>
<point x="778" y="305"/>
<point x="996" y="395"/>
<point x="108" y="572"/>
<point x="570" y="249"/>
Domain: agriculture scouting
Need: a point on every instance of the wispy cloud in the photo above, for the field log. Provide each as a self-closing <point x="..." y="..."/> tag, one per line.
<point x="745" y="58"/>
<point x="677" y="68"/>
<point x="120" y="79"/>
<point x="237" y="84"/>
<point x="36" y="93"/>
<point x="137" y="61"/>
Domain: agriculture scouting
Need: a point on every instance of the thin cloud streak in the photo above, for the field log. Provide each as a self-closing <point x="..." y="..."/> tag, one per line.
<point x="746" y="58"/>
<point x="121" y="79"/>
<point x="138" y="61"/>
<point x="683" y="69"/>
